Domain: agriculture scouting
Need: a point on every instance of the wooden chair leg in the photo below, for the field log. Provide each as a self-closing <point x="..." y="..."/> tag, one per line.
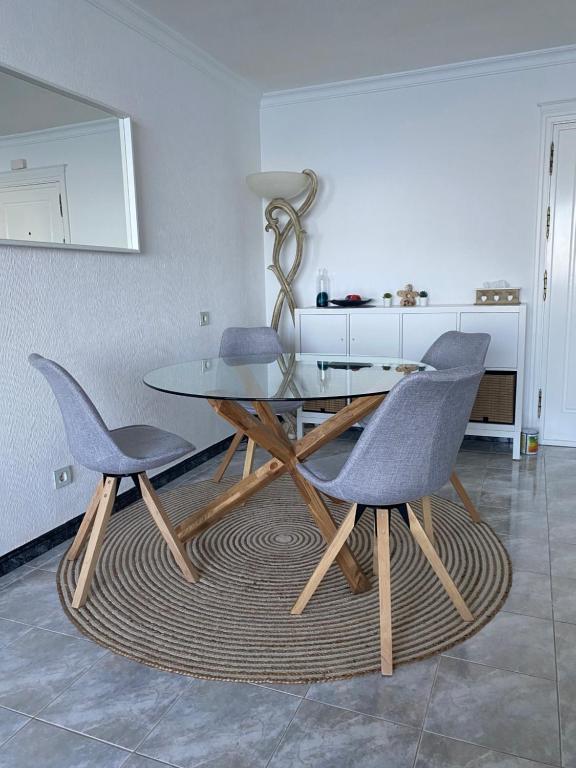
<point x="466" y="500"/>
<point x="328" y="558"/>
<point x="430" y="553"/>
<point x="228" y="456"/>
<point x="152" y="501"/>
<point x="427" y="515"/>
<point x="375" y="554"/>
<point x="95" y="541"/>
<point x="249" y="460"/>
<point x="86" y="524"/>
<point x="385" y="597"/>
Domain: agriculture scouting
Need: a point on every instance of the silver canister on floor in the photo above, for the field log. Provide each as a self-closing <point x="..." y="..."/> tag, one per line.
<point x="529" y="441"/>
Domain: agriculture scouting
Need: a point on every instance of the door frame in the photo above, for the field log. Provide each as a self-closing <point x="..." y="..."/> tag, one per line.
<point x="34" y="177"/>
<point x="552" y="115"/>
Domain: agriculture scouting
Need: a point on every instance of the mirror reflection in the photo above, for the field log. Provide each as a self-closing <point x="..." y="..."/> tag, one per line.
<point x="66" y="172"/>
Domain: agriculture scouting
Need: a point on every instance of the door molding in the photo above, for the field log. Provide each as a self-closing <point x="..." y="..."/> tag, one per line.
<point x="552" y="115"/>
<point x="33" y="177"/>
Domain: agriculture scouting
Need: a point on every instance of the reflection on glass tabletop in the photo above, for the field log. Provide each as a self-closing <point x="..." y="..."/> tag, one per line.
<point x="285" y="377"/>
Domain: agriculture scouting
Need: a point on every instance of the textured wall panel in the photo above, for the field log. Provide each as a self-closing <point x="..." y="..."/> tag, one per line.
<point x="112" y="317"/>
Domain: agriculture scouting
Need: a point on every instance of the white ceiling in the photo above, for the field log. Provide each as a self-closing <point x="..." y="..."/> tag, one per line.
<point x="281" y="44"/>
<point x="25" y="107"/>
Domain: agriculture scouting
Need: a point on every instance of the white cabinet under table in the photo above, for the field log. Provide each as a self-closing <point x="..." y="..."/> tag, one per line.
<point x="408" y="332"/>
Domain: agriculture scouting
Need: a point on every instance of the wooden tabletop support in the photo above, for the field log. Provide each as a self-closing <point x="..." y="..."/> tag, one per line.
<point x="267" y="431"/>
<point x="261" y="433"/>
<point x="336" y="425"/>
<point x="219" y="507"/>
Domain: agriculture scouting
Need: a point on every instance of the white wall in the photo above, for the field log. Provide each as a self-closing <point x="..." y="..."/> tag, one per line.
<point x="432" y="184"/>
<point x="112" y="317"/>
<point x="94" y="180"/>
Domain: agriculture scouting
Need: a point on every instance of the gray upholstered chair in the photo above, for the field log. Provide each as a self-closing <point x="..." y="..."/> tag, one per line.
<point x="242" y="344"/>
<point x="114" y="453"/>
<point x="455" y="349"/>
<point x="406" y="452"/>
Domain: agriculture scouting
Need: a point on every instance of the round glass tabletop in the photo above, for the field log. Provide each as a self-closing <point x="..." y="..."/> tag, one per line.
<point x="286" y="377"/>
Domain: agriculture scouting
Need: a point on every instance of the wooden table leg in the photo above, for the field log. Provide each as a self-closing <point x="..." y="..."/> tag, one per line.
<point x="268" y="433"/>
<point x="336" y="425"/>
<point x="219" y="507"/>
<point x="356" y="579"/>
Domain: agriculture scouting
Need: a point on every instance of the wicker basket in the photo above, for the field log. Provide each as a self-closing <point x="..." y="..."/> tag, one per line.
<point x="496" y="399"/>
<point x="495" y="402"/>
<point x="325" y="406"/>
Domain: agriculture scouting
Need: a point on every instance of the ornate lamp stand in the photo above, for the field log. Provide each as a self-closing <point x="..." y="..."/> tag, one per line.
<point x="280" y="186"/>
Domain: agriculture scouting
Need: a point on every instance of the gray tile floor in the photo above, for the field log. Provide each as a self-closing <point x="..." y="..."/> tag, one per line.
<point x="506" y="697"/>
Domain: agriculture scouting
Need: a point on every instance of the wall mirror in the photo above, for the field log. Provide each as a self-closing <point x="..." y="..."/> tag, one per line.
<point x="66" y="170"/>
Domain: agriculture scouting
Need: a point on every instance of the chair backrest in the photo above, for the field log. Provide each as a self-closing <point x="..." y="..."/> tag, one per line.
<point x="88" y="437"/>
<point x="409" y="447"/>
<point x="455" y="349"/>
<point x="243" y="342"/>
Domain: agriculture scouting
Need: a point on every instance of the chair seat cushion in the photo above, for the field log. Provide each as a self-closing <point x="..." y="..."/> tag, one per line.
<point x="144" y="447"/>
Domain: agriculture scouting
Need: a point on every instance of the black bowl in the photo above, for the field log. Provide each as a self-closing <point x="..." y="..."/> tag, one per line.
<point x="350" y="302"/>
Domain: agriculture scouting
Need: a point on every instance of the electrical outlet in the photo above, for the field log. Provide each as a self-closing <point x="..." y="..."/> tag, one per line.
<point x="62" y="477"/>
<point x="204" y="318"/>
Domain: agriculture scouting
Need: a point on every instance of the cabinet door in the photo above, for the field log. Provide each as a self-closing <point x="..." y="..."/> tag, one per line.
<point x="420" y="329"/>
<point x="503" y="328"/>
<point x="375" y="334"/>
<point x="325" y="334"/>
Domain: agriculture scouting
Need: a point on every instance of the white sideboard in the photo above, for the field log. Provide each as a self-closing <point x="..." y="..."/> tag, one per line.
<point x="408" y="332"/>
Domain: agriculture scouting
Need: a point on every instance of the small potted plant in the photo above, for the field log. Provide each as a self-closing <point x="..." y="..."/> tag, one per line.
<point x="387" y="298"/>
<point x="423" y="298"/>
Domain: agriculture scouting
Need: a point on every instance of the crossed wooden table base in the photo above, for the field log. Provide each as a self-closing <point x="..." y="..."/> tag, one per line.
<point x="267" y="432"/>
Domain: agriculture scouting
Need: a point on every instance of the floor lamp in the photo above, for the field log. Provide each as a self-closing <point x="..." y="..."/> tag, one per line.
<point x="279" y="187"/>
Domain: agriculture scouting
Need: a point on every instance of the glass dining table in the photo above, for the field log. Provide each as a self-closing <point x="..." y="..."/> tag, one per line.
<point x="228" y="384"/>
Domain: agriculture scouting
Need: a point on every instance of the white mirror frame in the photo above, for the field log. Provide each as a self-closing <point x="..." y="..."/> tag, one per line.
<point x="126" y="146"/>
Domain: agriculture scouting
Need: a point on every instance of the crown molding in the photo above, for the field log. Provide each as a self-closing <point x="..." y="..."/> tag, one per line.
<point x="497" y="65"/>
<point x="142" y="22"/>
<point x="60" y="133"/>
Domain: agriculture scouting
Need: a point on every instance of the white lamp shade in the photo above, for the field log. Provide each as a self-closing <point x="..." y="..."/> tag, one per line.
<point x="273" y="184"/>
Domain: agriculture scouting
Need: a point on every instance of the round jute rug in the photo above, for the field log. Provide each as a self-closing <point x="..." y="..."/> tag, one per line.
<point x="235" y="623"/>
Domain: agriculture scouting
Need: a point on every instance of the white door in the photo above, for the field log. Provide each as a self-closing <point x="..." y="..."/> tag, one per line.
<point x="32" y="212"/>
<point x="375" y="334"/>
<point x="558" y="415"/>
<point x="325" y="333"/>
<point x="420" y="329"/>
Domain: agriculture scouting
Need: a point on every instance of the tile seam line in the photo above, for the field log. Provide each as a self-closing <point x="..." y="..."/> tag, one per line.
<point x="283" y="735"/>
<point x="425" y="715"/>
<point x="497" y="751"/>
<point x="159" y="720"/>
<point x="558" y="705"/>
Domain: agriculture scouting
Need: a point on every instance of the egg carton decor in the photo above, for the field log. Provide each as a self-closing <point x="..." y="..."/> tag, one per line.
<point x="496" y="296"/>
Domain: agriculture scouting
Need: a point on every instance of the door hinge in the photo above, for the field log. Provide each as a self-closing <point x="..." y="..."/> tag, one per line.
<point x="61" y="210"/>
<point x="548" y="223"/>
<point x="551" y="163"/>
<point x="539" y="402"/>
<point x="545" y="285"/>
